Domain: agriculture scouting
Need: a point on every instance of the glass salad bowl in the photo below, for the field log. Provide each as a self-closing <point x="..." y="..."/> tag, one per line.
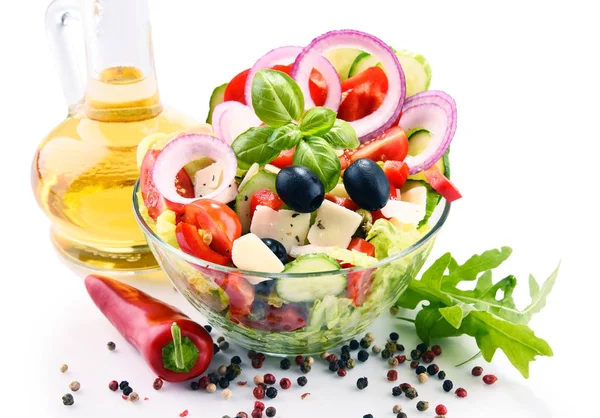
<point x="243" y="306"/>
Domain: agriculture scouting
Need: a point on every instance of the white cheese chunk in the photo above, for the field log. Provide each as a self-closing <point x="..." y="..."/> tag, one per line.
<point x="272" y="169"/>
<point x="334" y="226"/>
<point x="250" y="253"/>
<point x="207" y="179"/>
<point x="416" y="195"/>
<point x="405" y="212"/>
<point x="252" y="171"/>
<point x="228" y="194"/>
<point x="286" y="226"/>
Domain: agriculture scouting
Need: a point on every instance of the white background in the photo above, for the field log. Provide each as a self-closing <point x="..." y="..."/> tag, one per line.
<point x="525" y="76"/>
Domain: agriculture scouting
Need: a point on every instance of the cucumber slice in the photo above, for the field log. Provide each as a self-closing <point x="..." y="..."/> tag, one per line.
<point x="342" y="59"/>
<point x="308" y="289"/>
<point x="417" y="70"/>
<point x="259" y="181"/>
<point x="417" y="142"/>
<point x="217" y="97"/>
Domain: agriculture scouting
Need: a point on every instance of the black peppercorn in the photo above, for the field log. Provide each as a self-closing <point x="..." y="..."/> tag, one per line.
<point x="415" y="354"/>
<point x="365" y="343"/>
<point x="223" y="383"/>
<point x="422" y="347"/>
<point x="390" y="346"/>
<point x="128" y="390"/>
<point x="224" y="345"/>
<point x="216" y="348"/>
<point x="442" y="375"/>
<point x="420" y="369"/>
<point x="345" y="349"/>
<point x="270" y="412"/>
<point x="251" y="354"/>
<point x="305" y="368"/>
<point x="236" y="360"/>
<point x="194" y="385"/>
<point x="368" y="416"/>
<point x="111" y="346"/>
<point x="422" y="406"/>
<point x="208" y="328"/>
<point x="342" y="364"/>
<point x="285" y="364"/>
<point x="362" y="383"/>
<point x="396" y="391"/>
<point x="394" y="336"/>
<point x="433" y="369"/>
<point x="333" y="366"/>
<point x="399" y="347"/>
<point x="213" y="378"/>
<point x="68" y="400"/>
<point x="230" y="375"/>
<point x="363" y="355"/>
<point x="386" y="354"/>
<point x="448" y="385"/>
<point x="411" y="393"/>
<point x="354" y="345"/>
<point x="401" y="415"/>
<point x="302" y="381"/>
<point x="123" y="384"/>
<point x="345" y="355"/>
<point x="271" y="392"/>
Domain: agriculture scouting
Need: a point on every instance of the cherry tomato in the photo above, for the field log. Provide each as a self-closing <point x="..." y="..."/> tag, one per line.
<point x="284" y="159"/>
<point x="345" y="202"/>
<point x="217" y="218"/>
<point x="397" y="172"/>
<point x="441" y="184"/>
<point x="235" y="89"/>
<point x="192" y="243"/>
<point x="265" y="197"/>
<point x="363" y="246"/>
<point x="366" y="92"/>
<point x="391" y="145"/>
<point x="240" y="292"/>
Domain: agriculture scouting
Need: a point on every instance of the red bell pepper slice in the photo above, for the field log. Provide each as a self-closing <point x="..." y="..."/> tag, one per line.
<point x="397" y="172"/>
<point x="441" y="184"/>
<point x="363" y="246"/>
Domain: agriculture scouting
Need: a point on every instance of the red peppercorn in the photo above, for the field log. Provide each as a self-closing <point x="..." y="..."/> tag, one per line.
<point x="261" y="357"/>
<point x="341" y="372"/>
<point x="269" y="379"/>
<point x="259" y="405"/>
<point x="477" y="371"/>
<point x="256" y="363"/>
<point x="392" y="375"/>
<point x="489" y="379"/>
<point x="257" y="413"/>
<point x="242" y="415"/>
<point x="414" y="364"/>
<point x="401" y="359"/>
<point x="114" y="385"/>
<point x="158" y="383"/>
<point x="259" y="392"/>
<point x="331" y="358"/>
<point x="299" y="360"/>
<point x="285" y="383"/>
<point x="404" y="386"/>
<point x="441" y="410"/>
<point x="204" y="382"/>
<point x="461" y="392"/>
<point x="428" y="356"/>
<point x="437" y="350"/>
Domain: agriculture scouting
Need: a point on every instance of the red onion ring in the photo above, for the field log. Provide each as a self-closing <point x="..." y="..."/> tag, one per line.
<point x="185" y="149"/>
<point x="231" y="119"/>
<point x="287" y="54"/>
<point x="376" y="123"/>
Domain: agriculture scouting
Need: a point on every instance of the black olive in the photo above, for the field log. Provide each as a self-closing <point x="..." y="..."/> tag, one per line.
<point x="367" y="184"/>
<point x="277" y="248"/>
<point x="300" y="188"/>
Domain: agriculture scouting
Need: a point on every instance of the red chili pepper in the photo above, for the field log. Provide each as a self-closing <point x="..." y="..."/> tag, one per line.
<point x="175" y="347"/>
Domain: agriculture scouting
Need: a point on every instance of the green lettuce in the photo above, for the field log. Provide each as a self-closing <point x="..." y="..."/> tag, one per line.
<point x="389" y="239"/>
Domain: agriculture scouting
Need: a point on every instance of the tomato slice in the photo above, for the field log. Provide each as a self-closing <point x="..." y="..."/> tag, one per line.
<point x="287" y="318"/>
<point x="284" y="159"/>
<point x="359" y="286"/>
<point x="192" y="243"/>
<point x="366" y="93"/>
<point x="342" y="201"/>
<point x="240" y="292"/>
<point x="363" y="246"/>
<point x="153" y="200"/>
<point x="397" y="172"/>
<point x="217" y="218"/>
<point x="235" y="89"/>
<point x="441" y="184"/>
<point x="265" y="197"/>
<point x="391" y="145"/>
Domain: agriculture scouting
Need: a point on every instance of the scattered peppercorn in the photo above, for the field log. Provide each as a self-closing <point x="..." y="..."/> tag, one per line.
<point x="447" y="385"/>
<point x="368" y="416"/>
<point x="354" y="344"/>
<point x="258" y="380"/>
<point x="396" y="409"/>
<point x="386" y="354"/>
<point x="396" y="391"/>
<point x="203" y="382"/>
<point x="441" y="410"/>
<point x="269" y="379"/>
<point x="350" y="364"/>
<point x="113" y="385"/>
<point x="422" y="347"/>
<point x="220" y="340"/>
<point x="223" y="383"/>
<point x="363" y="355"/>
<point x="341" y="372"/>
<point x="345" y="348"/>
<point x="391" y="347"/>
<point x="241" y="415"/>
<point x="477" y="371"/>
<point x="404" y="386"/>
<point x="365" y="343"/>
<point x="194" y="385"/>
<point x="332" y="358"/>
<point x="399" y="347"/>
<point x="208" y="328"/>
<point x="213" y="378"/>
<point x="411" y="393"/>
<point x="394" y="336"/>
<point x="393" y="362"/>
<point x="259" y="405"/>
<point x="158" y="383"/>
<point x="333" y="366"/>
<point x="392" y="375"/>
<point x="271" y="392"/>
<point x="302" y="381"/>
<point x="428" y="356"/>
<point x="256" y="363"/>
<point x="236" y="360"/>
<point x="370" y="336"/>
<point x="259" y="392"/>
<point x="299" y="360"/>
<point x="111" y="346"/>
<point x="127" y="391"/>
<point x="261" y="357"/>
<point x="305" y="367"/>
<point x="324" y="355"/>
<point x="222" y="370"/>
<point x="422" y="406"/>
<point x="74" y="386"/>
<point x="401" y="415"/>
<point x="224" y="345"/>
<point x="345" y="356"/>
<point x="64" y="368"/>
<point x="415" y="354"/>
<point x="285" y="364"/>
<point x="461" y="392"/>
<point x="433" y="369"/>
<point x="489" y="379"/>
<point x="285" y="383"/>
<point x="310" y="360"/>
<point x="414" y="364"/>
<point x="420" y="369"/>
<point x="376" y="349"/>
<point x="401" y="359"/>
<point x="123" y="384"/>
<point x="362" y="383"/>
<point x="216" y="348"/>
<point x="437" y="350"/>
<point x="442" y="375"/>
<point x="423" y="378"/>
<point x="251" y="354"/>
<point x="270" y="412"/>
<point x="68" y="400"/>
<point x="257" y="413"/>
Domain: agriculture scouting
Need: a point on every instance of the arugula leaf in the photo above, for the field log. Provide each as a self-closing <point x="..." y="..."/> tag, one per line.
<point x="285" y="137"/>
<point x="431" y="325"/>
<point x="252" y="147"/>
<point x="317" y="121"/>
<point x="315" y="154"/>
<point x="276" y="98"/>
<point x="342" y="136"/>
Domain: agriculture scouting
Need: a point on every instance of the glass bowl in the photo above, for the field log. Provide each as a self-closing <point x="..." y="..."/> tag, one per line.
<point x="236" y="302"/>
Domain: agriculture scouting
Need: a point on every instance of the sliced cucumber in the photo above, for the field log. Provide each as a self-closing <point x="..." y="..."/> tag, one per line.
<point x="259" y="181"/>
<point x="342" y="59"/>
<point x="417" y="70"/>
<point x="217" y="97"/>
<point x="308" y="289"/>
<point x="417" y="142"/>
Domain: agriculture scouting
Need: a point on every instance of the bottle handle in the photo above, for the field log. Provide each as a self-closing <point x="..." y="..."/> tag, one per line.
<point x="60" y="16"/>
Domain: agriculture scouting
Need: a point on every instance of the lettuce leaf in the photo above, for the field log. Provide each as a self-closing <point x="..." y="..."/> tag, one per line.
<point x="389" y="240"/>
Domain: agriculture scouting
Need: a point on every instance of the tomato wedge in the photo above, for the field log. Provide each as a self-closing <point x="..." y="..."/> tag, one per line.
<point x="284" y="159"/>
<point x="441" y="184"/>
<point x="240" y="292"/>
<point x="363" y="246"/>
<point x="192" y="243"/>
<point x="391" y="145"/>
<point x="265" y="197"/>
<point x="366" y="92"/>
<point x="342" y="201"/>
<point x="397" y="172"/>
<point x="235" y="89"/>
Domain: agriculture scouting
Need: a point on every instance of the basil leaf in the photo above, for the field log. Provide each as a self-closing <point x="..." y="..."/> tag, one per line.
<point x="317" y="121"/>
<point x="342" y="136"/>
<point x="252" y="147"/>
<point x="284" y="138"/>
<point x="316" y="154"/>
<point x="276" y="98"/>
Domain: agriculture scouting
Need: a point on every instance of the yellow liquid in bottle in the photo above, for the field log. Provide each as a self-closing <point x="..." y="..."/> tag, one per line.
<point x="84" y="171"/>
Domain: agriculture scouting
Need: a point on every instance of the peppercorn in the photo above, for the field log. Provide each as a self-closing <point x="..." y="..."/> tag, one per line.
<point x="208" y="328"/>
<point x="401" y="359"/>
<point x="411" y="393"/>
<point x="345" y="356"/>
<point x="259" y="392"/>
<point x="302" y="381"/>
<point x="127" y="391"/>
<point x="401" y="415"/>
<point x="258" y="380"/>
<point x="394" y="336"/>
<point x="299" y="360"/>
<point x="422" y="406"/>
<point x="363" y="355"/>
<point x="256" y="363"/>
<point x="134" y="397"/>
<point x="74" y="386"/>
<point x="222" y="370"/>
<point x="261" y="357"/>
<point x="368" y="416"/>
<point x="376" y="349"/>
<point x="236" y="360"/>
<point x="393" y="362"/>
<point x="447" y="385"/>
<point x="113" y="385"/>
<point x="123" y="384"/>
<point x="216" y="348"/>
<point x="241" y="415"/>
<point x="428" y="356"/>
<point x="370" y="336"/>
<point x="441" y="410"/>
<point x="324" y="355"/>
<point x="386" y="354"/>
<point x="404" y="386"/>
<point x="350" y="364"/>
<point x="285" y="364"/>
<point x="423" y="378"/>
<point x="391" y="347"/>
<point x="305" y="368"/>
<point x="414" y="364"/>
<point x="271" y="392"/>
<point x="362" y="383"/>
<point x="332" y="358"/>
<point x="220" y="340"/>
<point x="399" y="347"/>
<point x="420" y="369"/>
<point x="437" y="350"/>
<point x="223" y="383"/>
<point x="442" y="375"/>
<point x="259" y="405"/>
<point x="111" y="346"/>
<point x="230" y="375"/>
<point x="433" y="369"/>
<point x="194" y="385"/>
<point x="415" y="354"/>
<point x="394" y="310"/>
<point x="354" y="344"/>
<point x="64" y="368"/>
<point x="257" y="413"/>
<point x="270" y="412"/>
<point x="285" y="383"/>
<point x="269" y="379"/>
<point x="341" y="372"/>
<point x="396" y="391"/>
<point x="392" y="375"/>
<point x="224" y="345"/>
<point x="310" y="360"/>
<point x="333" y="366"/>
<point x="365" y="343"/>
<point x="396" y="409"/>
<point x="422" y="347"/>
<point x="489" y="379"/>
<point x="68" y="400"/>
<point x="251" y="354"/>
<point x="477" y="371"/>
<point x="345" y="348"/>
<point x="213" y="377"/>
<point x="461" y="392"/>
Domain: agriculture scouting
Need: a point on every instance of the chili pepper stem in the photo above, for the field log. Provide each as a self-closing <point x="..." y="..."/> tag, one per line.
<point x="176" y="333"/>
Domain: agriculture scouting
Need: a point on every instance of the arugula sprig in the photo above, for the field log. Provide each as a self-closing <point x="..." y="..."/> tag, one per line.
<point x="279" y="103"/>
<point x="493" y="321"/>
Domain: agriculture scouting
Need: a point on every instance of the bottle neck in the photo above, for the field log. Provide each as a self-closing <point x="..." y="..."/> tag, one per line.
<point x="121" y="84"/>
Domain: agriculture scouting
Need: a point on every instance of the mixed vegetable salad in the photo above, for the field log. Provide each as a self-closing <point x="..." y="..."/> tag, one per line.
<point x="315" y="159"/>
